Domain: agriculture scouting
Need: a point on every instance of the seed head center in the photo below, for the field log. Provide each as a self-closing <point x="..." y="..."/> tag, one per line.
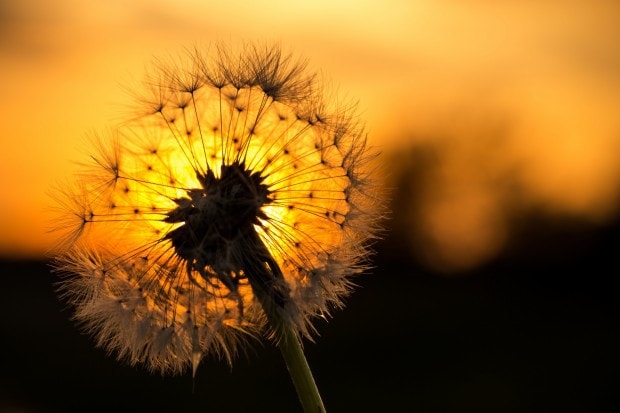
<point x="215" y="216"/>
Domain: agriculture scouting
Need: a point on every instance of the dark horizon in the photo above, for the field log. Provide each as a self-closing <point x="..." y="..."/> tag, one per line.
<point x="533" y="330"/>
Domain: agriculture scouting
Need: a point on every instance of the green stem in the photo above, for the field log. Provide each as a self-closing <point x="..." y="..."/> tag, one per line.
<point x="267" y="282"/>
<point x="298" y="368"/>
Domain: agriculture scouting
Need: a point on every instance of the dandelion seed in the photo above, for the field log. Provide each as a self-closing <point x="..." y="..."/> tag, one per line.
<point x="236" y="199"/>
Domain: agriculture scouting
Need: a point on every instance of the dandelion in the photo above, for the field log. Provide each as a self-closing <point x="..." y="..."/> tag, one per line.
<point x="237" y="202"/>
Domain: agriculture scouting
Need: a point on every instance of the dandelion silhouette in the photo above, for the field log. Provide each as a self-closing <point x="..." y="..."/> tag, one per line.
<point x="237" y="202"/>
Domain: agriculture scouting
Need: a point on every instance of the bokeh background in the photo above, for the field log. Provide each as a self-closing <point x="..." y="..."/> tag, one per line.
<point x="499" y="125"/>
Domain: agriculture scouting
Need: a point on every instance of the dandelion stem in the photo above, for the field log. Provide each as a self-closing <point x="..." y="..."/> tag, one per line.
<point x="298" y="368"/>
<point x="264" y="281"/>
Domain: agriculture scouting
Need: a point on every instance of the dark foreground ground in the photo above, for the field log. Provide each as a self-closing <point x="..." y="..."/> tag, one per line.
<point x="534" y="331"/>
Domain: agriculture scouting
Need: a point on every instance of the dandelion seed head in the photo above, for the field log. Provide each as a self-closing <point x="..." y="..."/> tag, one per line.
<point x="234" y="191"/>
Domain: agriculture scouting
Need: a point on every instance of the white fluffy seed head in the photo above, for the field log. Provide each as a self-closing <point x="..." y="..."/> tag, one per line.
<point x="236" y="185"/>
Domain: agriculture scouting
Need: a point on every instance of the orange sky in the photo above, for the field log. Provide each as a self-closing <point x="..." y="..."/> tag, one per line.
<point x="517" y="88"/>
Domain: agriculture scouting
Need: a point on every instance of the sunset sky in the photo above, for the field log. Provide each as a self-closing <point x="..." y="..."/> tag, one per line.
<point x="516" y="103"/>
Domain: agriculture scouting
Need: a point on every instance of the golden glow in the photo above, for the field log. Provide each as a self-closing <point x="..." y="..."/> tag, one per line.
<point x="423" y="72"/>
<point x="306" y="157"/>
